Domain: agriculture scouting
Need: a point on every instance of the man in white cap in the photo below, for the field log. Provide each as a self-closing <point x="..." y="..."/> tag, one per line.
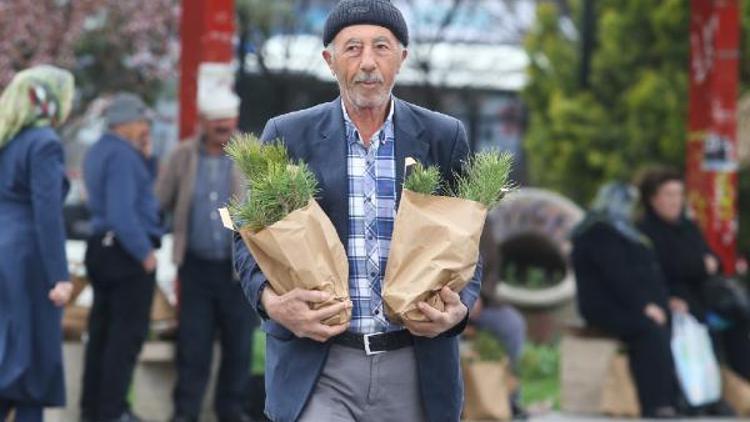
<point x="199" y="178"/>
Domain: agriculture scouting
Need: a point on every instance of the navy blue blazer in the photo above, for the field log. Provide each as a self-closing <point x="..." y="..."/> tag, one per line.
<point x="317" y="137"/>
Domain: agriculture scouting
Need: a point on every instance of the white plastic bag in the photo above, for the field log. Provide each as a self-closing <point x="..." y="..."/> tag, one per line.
<point x="697" y="368"/>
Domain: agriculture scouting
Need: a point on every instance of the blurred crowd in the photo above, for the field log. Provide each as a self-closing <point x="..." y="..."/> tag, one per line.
<point x="644" y="271"/>
<point x="132" y="203"/>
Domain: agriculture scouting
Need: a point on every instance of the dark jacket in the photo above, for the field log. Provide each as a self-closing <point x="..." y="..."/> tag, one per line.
<point x="317" y="137"/>
<point x="32" y="260"/>
<point x="616" y="278"/>
<point x="120" y="185"/>
<point x="680" y="248"/>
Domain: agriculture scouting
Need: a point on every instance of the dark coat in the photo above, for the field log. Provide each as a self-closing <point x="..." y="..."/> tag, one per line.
<point x="317" y="137"/>
<point x="616" y="278"/>
<point x="681" y="249"/>
<point x="32" y="260"/>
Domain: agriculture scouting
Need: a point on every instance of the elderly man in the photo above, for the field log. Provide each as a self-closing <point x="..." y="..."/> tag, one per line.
<point x="197" y="179"/>
<point x="119" y="174"/>
<point x="370" y="369"/>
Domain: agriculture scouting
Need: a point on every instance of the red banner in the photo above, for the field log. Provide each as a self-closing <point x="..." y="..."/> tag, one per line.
<point x="712" y="130"/>
<point x="207" y="34"/>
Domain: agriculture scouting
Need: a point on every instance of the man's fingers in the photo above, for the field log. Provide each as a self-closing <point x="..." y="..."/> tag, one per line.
<point x="422" y="329"/>
<point x="329" y="311"/>
<point x="321" y="333"/>
<point x="449" y="296"/>
<point x="311" y="296"/>
<point x="431" y="313"/>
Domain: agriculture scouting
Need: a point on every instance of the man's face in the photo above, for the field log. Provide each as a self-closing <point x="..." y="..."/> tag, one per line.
<point x="137" y="132"/>
<point x="218" y="131"/>
<point x="365" y="60"/>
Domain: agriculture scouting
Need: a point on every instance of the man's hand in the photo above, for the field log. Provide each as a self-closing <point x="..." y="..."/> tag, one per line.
<point x="149" y="264"/>
<point x="439" y="322"/>
<point x="678" y="305"/>
<point x="655" y="313"/>
<point x="60" y="294"/>
<point x="711" y="264"/>
<point x="293" y="311"/>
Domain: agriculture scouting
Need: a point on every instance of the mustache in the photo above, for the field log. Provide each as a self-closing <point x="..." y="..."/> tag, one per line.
<point x="368" y="78"/>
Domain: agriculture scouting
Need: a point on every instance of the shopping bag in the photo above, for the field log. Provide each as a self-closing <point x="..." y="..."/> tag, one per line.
<point x="435" y="243"/>
<point x="585" y="363"/>
<point x="486" y="392"/>
<point x="302" y="251"/>
<point x="697" y="369"/>
<point x="736" y="391"/>
<point x="619" y="396"/>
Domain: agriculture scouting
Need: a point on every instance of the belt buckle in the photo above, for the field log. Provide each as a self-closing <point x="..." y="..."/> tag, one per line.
<point x="368" y="351"/>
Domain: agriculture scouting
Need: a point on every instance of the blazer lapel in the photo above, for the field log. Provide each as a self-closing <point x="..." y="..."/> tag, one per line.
<point x="328" y="160"/>
<point x="409" y="142"/>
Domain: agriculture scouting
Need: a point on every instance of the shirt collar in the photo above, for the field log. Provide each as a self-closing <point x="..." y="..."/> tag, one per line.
<point x="351" y="129"/>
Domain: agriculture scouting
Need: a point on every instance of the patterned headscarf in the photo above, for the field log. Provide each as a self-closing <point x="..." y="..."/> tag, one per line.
<point x="39" y="96"/>
<point x="614" y="205"/>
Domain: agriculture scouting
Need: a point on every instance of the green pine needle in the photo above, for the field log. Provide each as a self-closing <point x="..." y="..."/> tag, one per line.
<point x="485" y="178"/>
<point x="424" y="180"/>
<point x="276" y="187"/>
<point x="253" y="156"/>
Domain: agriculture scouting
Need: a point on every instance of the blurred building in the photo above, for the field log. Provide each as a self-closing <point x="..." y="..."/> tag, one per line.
<point x="466" y="59"/>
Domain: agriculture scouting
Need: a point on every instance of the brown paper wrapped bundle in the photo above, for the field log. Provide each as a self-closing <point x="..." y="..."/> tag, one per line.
<point x="292" y="240"/>
<point x="435" y="241"/>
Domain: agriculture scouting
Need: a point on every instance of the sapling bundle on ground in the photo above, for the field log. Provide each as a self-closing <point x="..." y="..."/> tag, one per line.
<point x="435" y="241"/>
<point x="288" y="234"/>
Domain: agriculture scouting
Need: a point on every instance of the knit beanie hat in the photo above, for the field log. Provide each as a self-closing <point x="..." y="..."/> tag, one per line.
<point x="359" y="12"/>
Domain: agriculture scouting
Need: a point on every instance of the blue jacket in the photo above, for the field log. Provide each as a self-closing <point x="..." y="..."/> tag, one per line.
<point x="317" y="137"/>
<point x="120" y="185"/>
<point x="32" y="260"/>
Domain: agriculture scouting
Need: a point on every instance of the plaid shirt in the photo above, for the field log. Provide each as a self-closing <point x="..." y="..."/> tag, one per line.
<point x="372" y="201"/>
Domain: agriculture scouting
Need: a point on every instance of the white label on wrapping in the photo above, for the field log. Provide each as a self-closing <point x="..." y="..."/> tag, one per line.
<point x="226" y="219"/>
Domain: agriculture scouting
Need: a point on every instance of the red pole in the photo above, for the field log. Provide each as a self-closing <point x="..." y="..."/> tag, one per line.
<point x="712" y="129"/>
<point x="207" y="33"/>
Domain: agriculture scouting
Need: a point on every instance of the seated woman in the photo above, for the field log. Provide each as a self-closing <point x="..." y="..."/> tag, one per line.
<point x="687" y="260"/>
<point x="621" y="291"/>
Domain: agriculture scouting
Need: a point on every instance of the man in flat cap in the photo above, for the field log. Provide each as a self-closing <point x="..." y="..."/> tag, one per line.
<point x="370" y="369"/>
<point x="119" y="173"/>
<point x="197" y="179"/>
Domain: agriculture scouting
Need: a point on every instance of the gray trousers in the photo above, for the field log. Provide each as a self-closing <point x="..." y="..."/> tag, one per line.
<point x="357" y="387"/>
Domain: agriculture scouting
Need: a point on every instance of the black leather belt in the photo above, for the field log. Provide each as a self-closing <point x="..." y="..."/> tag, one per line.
<point x="374" y="344"/>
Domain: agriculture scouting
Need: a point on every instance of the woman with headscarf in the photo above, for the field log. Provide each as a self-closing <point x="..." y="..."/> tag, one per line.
<point x="621" y="291"/>
<point x="688" y="261"/>
<point x="33" y="269"/>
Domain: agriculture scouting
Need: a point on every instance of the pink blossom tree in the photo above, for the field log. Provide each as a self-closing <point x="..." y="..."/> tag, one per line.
<point x="109" y="44"/>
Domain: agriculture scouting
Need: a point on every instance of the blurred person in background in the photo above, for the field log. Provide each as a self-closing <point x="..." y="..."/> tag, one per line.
<point x="199" y="178"/>
<point x="622" y="291"/>
<point x="687" y="261"/>
<point x="34" y="280"/>
<point x="119" y="173"/>
<point x="501" y="320"/>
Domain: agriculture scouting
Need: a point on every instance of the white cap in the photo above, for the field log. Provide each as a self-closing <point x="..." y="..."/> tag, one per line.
<point x="220" y="104"/>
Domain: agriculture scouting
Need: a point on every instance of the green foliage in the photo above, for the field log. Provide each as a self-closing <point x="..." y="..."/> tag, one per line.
<point x="633" y="111"/>
<point x="485" y="178"/>
<point x="421" y="179"/>
<point x="253" y="156"/>
<point x="540" y="374"/>
<point x="277" y="187"/>
<point x="488" y="348"/>
<point x="744" y="45"/>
